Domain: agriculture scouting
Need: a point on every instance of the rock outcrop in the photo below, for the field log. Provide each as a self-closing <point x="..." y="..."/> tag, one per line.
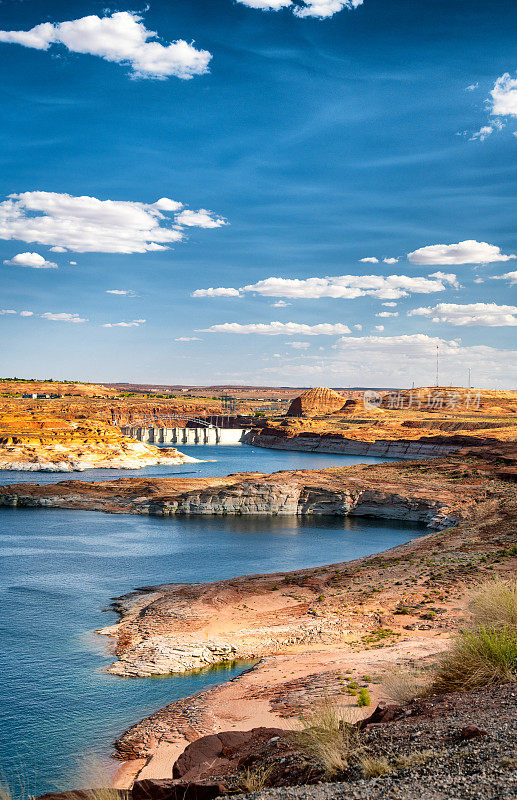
<point x="316" y="401"/>
<point x="81" y="448"/>
<point x="339" y="491"/>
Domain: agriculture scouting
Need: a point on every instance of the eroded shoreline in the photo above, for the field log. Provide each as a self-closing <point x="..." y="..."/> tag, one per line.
<point x="310" y="626"/>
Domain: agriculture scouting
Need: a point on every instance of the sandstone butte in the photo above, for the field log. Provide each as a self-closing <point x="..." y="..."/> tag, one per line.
<point x="79" y="429"/>
<point x="314" y="629"/>
<point x="316" y="401"/>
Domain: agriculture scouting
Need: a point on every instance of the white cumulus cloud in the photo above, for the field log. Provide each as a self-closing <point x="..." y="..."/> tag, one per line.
<point x="467" y="252"/>
<point x="379" y="327"/>
<point x="488" y="314"/>
<point x="389" y="304"/>
<point x="280" y="304"/>
<point x="33" y="260"/>
<point x="342" y="287"/>
<point x="348" y="287"/>
<point x="280" y="328"/>
<point x="63" y="317"/>
<point x="26" y="313"/>
<point x="390" y="260"/>
<point x="369" y="260"/>
<point x="504" y="96"/>
<point x="87" y="224"/>
<point x="121" y="38"/>
<point x="7" y="311"/>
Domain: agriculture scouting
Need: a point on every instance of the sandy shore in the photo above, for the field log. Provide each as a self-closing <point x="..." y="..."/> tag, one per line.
<point x="272" y="694"/>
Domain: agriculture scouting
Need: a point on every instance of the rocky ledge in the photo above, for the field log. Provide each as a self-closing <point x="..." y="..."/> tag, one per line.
<point x="75" y="453"/>
<point x="334" y="442"/>
<point x="382" y="490"/>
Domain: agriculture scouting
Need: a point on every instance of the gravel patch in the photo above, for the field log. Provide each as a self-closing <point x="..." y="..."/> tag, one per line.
<point x="444" y="764"/>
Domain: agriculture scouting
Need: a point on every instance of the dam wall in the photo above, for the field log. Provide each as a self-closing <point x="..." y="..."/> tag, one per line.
<point x="182" y="436"/>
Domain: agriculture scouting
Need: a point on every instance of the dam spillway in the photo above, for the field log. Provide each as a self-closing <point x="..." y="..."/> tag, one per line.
<point x="198" y="435"/>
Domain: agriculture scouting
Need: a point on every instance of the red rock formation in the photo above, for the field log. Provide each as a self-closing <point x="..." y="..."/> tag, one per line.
<point x="316" y="401"/>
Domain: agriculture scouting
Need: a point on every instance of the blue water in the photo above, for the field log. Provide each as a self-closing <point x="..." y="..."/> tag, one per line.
<point x="218" y="460"/>
<point x="58" y="571"/>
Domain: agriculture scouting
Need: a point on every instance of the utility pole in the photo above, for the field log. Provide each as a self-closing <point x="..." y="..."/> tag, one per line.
<point x="437" y="383"/>
<point x="469" y="377"/>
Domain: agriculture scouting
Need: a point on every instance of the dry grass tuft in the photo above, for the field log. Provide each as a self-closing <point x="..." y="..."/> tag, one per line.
<point x="329" y="738"/>
<point x="494" y="605"/>
<point x="374" y="766"/>
<point x="253" y="780"/>
<point x="485" y="652"/>
<point x="402" y="686"/>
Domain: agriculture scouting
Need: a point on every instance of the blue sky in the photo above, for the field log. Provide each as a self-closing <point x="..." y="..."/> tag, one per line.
<point x="288" y="146"/>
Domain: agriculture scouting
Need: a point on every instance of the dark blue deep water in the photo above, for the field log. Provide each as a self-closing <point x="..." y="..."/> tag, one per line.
<point x="58" y="570"/>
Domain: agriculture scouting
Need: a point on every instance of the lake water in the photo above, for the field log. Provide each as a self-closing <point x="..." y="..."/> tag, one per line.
<point x="215" y="461"/>
<point x="59" y="711"/>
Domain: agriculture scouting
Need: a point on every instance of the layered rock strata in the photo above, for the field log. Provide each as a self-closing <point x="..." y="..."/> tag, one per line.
<point x="336" y="491"/>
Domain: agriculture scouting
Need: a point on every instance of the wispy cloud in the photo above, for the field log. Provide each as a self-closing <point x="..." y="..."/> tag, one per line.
<point x="486" y="130"/>
<point x="188" y="339"/>
<point x="122" y="292"/>
<point x="280" y="328"/>
<point x="511" y="277"/>
<point x="63" y="317"/>
<point x="135" y="323"/>
<point x="221" y="291"/>
<point x="122" y="38"/>
<point x="305" y="8"/>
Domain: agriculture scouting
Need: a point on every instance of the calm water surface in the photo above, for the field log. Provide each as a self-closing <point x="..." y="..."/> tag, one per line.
<point x="58" y="571"/>
<point x="218" y="460"/>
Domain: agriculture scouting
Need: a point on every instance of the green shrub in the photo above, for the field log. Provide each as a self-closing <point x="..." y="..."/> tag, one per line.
<point x="478" y="657"/>
<point x="364" y="698"/>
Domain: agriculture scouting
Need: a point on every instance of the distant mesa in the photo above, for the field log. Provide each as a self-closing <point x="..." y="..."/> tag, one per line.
<point x="320" y="400"/>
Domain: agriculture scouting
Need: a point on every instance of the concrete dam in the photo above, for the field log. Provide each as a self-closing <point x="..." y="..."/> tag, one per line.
<point x="178" y="436"/>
